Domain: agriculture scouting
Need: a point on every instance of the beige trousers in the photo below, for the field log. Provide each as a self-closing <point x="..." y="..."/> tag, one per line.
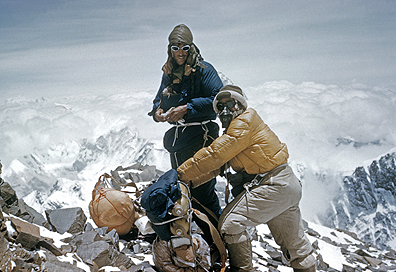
<point x="275" y="202"/>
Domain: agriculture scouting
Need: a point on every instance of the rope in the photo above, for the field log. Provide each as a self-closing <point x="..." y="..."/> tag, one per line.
<point x="103" y="181"/>
<point x="180" y="124"/>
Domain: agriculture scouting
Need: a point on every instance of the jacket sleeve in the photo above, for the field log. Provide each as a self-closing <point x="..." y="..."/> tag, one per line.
<point x="157" y="98"/>
<point x="205" y="164"/>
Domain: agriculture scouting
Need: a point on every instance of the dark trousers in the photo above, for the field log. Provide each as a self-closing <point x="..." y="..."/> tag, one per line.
<point x="206" y="193"/>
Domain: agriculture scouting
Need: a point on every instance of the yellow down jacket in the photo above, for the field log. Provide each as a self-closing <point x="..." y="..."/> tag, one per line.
<point x="249" y="145"/>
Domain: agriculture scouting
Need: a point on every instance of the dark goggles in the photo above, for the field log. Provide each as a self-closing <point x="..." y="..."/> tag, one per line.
<point x="229" y="105"/>
<point x="176" y="48"/>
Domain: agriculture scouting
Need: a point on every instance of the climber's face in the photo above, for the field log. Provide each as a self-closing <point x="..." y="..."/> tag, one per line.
<point x="180" y="53"/>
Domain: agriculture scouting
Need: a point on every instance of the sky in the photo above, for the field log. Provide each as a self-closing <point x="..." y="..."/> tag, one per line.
<point x="68" y="47"/>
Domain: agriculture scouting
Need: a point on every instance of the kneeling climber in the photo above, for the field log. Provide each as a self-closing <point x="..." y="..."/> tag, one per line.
<point x="264" y="186"/>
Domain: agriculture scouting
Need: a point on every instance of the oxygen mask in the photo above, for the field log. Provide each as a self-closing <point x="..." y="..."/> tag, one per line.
<point x="226" y="117"/>
<point x="228" y="111"/>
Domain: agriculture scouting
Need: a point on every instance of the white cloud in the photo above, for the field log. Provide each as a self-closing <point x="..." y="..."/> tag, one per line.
<point x="329" y="130"/>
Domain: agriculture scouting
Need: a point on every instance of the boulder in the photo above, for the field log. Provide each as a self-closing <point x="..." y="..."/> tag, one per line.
<point x="98" y="253"/>
<point x="71" y="220"/>
<point x="29" y="234"/>
<point x="54" y="265"/>
<point x="12" y="205"/>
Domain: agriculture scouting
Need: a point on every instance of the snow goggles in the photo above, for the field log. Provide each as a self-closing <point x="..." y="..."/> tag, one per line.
<point x="229" y="105"/>
<point x="176" y="48"/>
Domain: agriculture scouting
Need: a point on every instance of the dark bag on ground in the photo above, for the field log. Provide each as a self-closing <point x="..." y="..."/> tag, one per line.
<point x="158" y="199"/>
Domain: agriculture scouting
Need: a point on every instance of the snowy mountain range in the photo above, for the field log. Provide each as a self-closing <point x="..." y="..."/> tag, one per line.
<point x="53" y="151"/>
<point x="47" y="182"/>
<point x="366" y="203"/>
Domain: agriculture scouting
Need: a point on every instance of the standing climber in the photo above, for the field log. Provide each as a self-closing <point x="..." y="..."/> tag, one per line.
<point x="185" y="100"/>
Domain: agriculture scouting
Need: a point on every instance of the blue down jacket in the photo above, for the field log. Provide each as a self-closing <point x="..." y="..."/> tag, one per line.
<point x="158" y="199"/>
<point x="197" y="91"/>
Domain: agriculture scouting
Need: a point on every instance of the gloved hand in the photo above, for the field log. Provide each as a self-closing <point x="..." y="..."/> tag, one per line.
<point x="187" y="183"/>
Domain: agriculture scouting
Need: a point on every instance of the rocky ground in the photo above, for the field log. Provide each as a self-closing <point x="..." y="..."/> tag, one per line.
<point x="67" y="240"/>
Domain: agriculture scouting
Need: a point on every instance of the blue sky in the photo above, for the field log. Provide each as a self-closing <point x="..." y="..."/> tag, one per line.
<point x="68" y="47"/>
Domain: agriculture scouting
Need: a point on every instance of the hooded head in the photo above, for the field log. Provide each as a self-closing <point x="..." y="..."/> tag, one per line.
<point x="226" y="113"/>
<point x="230" y="91"/>
<point x="181" y="34"/>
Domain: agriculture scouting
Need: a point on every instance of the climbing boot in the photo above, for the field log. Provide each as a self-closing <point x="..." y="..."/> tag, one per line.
<point x="301" y="264"/>
<point x="311" y="269"/>
<point x="240" y="255"/>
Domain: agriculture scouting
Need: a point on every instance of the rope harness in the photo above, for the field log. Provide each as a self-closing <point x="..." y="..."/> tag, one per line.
<point x="250" y="185"/>
<point x="181" y="124"/>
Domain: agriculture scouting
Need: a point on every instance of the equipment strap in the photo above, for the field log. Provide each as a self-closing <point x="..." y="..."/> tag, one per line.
<point x="103" y="182"/>
<point x="215" y="236"/>
<point x="260" y="177"/>
<point x="182" y="124"/>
